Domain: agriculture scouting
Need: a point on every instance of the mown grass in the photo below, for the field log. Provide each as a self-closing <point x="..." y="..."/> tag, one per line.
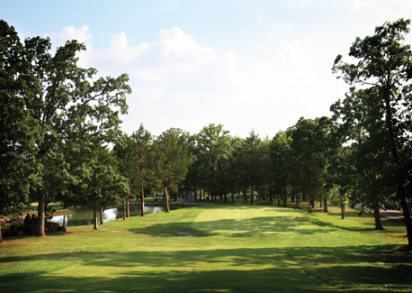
<point x="223" y="248"/>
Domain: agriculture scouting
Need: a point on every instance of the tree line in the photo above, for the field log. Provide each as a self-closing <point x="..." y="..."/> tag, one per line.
<point x="57" y="121"/>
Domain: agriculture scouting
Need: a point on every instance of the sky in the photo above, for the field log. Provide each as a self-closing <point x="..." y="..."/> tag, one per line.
<point x="246" y="64"/>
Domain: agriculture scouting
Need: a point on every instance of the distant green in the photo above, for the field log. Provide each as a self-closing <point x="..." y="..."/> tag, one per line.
<point x="222" y="248"/>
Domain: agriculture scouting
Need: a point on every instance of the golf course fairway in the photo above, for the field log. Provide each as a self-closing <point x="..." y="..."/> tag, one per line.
<point x="221" y="248"/>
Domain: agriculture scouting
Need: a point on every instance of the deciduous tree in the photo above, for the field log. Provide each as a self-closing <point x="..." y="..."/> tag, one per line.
<point x="384" y="63"/>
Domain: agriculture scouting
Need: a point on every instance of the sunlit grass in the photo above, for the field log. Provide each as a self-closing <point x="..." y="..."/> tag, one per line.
<point x="223" y="248"/>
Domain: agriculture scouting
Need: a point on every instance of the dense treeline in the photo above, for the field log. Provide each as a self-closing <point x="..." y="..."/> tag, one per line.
<point x="57" y="120"/>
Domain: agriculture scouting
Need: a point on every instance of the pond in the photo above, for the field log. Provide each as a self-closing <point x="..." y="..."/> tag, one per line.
<point x="86" y="218"/>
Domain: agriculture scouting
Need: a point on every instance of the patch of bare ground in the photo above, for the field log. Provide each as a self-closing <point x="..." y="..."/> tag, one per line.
<point x="183" y="233"/>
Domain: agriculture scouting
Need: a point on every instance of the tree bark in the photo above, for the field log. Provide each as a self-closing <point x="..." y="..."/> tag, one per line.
<point x="401" y="188"/>
<point x="244" y="195"/>
<point x="285" y="198"/>
<point x="167" y="200"/>
<point x="142" y="202"/>
<point x="406" y="215"/>
<point x="41" y="214"/>
<point x="128" y="207"/>
<point x="325" y="205"/>
<point x="101" y="216"/>
<point x="1" y="234"/>
<point x="309" y="204"/>
<point x="124" y="209"/>
<point x="96" y="225"/>
<point x="342" y="210"/>
<point x="377" y="215"/>
<point x="225" y="196"/>
<point x="252" y="196"/>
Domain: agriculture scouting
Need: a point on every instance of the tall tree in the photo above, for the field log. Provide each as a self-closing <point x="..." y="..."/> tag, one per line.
<point x="95" y="180"/>
<point x="251" y="159"/>
<point x="136" y="158"/>
<point x="171" y="160"/>
<point x="214" y="145"/>
<point x="309" y="146"/>
<point x="281" y="162"/>
<point x="68" y="107"/>
<point x="16" y="135"/>
<point x="384" y="63"/>
<point x="359" y="125"/>
<point x="192" y="181"/>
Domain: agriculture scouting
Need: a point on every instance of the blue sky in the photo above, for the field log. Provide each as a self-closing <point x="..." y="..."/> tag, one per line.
<point x="249" y="65"/>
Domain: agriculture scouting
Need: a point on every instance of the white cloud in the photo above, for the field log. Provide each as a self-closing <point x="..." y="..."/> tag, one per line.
<point x="70" y="33"/>
<point x="175" y="44"/>
<point x="178" y="82"/>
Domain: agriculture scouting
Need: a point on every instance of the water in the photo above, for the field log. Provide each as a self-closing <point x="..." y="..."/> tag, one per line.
<point x="86" y="218"/>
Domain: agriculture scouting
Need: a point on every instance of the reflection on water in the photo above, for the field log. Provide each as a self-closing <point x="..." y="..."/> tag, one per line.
<point x="86" y="218"/>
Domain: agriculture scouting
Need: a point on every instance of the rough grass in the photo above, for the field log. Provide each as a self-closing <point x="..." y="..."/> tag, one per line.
<point x="223" y="248"/>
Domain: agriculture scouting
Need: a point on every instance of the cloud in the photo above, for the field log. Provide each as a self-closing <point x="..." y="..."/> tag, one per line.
<point x="178" y="82"/>
<point x="70" y="33"/>
<point x="122" y="52"/>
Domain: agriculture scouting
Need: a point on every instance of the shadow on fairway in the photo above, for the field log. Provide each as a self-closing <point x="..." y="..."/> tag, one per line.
<point x="316" y="269"/>
<point x="244" y="227"/>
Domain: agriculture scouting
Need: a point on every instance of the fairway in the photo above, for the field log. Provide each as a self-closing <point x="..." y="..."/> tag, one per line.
<point x="222" y="248"/>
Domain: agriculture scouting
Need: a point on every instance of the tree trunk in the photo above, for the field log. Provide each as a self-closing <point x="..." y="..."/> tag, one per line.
<point x="309" y="205"/>
<point x="313" y="203"/>
<point x="325" y="205"/>
<point x="401" y="188"/>
<point x="252" y="196"/>
<point x="124" y="209"/>
<point x="297" y="199"/>
<point x="142" y="202"/>
<point x="225" y="195"/>
<point x="1" y="234"/>
<point x="244" y="195"/>
<point x="285" y="198"/>
<point x="41" y="214"/>
<point x="128" y="207"/>
<point x="279" y="195"/>
<point x="407" y="216"/>
<point x="377" y="215"/>
<point x="96" y="225"/>
<point x="167" y="201"/>
<point x="101" y="215"/>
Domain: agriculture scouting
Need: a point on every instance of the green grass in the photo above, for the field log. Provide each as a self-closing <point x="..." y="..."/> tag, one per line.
<point x="223" y="248"/>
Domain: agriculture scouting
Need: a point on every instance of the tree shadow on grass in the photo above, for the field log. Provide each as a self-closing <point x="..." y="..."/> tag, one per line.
<point x="314" y="269"/>
<point x="244" y="227"/>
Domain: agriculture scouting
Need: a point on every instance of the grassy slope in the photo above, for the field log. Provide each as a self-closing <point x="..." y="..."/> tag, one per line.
<point x="228" y="248"/>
